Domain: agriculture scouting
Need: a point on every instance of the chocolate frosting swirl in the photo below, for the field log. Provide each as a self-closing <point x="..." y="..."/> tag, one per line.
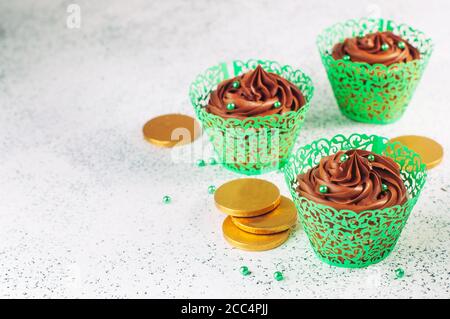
<point x="257" y="95"/>
<point x="369" y="49"/>
<point x="354" y="184"/>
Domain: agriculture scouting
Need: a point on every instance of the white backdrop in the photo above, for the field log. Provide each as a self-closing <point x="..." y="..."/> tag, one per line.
<point x="80" y="191"/>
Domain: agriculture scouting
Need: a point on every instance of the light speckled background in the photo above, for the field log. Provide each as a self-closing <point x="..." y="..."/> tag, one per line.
<point x="80" y="191"/>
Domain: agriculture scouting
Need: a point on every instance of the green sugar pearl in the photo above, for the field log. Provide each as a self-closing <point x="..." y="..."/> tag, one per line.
<point x="212" y="161"/>
<point x="385" y="47"/>
<point x="371" y="157"/>
<point x="277" y="104"/>
<point x="201" y="163"/>
<point x="343" y="158"/>
<point x="166" y="199"/>
<point x="346" y="58"/>
<point x="235" y="84"/>
<point x="399" y="273"/>
<point x="278" y="275"/>
<point x="384" y="187"/>
<point x="401" y="45"/>
<point x="230" y="106"/>
<point x="211" y="189"/>
<point x="323" y="189"/>
<point x="244" y="271"/>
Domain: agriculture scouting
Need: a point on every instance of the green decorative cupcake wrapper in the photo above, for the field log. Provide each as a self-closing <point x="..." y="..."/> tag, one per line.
<point x="373" y="93"/>
<point x="346" y="238"/>
<point x="258" y="144"/>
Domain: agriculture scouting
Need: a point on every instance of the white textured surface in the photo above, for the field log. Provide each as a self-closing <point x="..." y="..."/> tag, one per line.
<point x="80" y="191"/>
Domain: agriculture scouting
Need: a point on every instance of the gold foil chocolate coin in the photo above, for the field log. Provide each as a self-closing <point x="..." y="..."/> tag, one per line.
<point x="171" y="129"/>
<point x="429" y="150"/>
<point x="248" y="241"/>
<point x="280" y="219"/>
<point x="247" y="197"/>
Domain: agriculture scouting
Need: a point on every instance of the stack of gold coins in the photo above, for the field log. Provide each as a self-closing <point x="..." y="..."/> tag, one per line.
<point x="259" y="218"/>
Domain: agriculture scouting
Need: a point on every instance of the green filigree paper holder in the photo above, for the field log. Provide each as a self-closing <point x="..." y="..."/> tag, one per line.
<point x="257" y="144"/>
<point x="345" y="238"/>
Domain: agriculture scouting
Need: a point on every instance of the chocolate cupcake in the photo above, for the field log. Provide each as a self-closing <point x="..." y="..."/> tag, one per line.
<point x="254" y="116"/>
<point x="354" y="195"/>
<point x="255" y="93"/>
<point x="374" y="66"/>
<point x="355" y="180"/>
